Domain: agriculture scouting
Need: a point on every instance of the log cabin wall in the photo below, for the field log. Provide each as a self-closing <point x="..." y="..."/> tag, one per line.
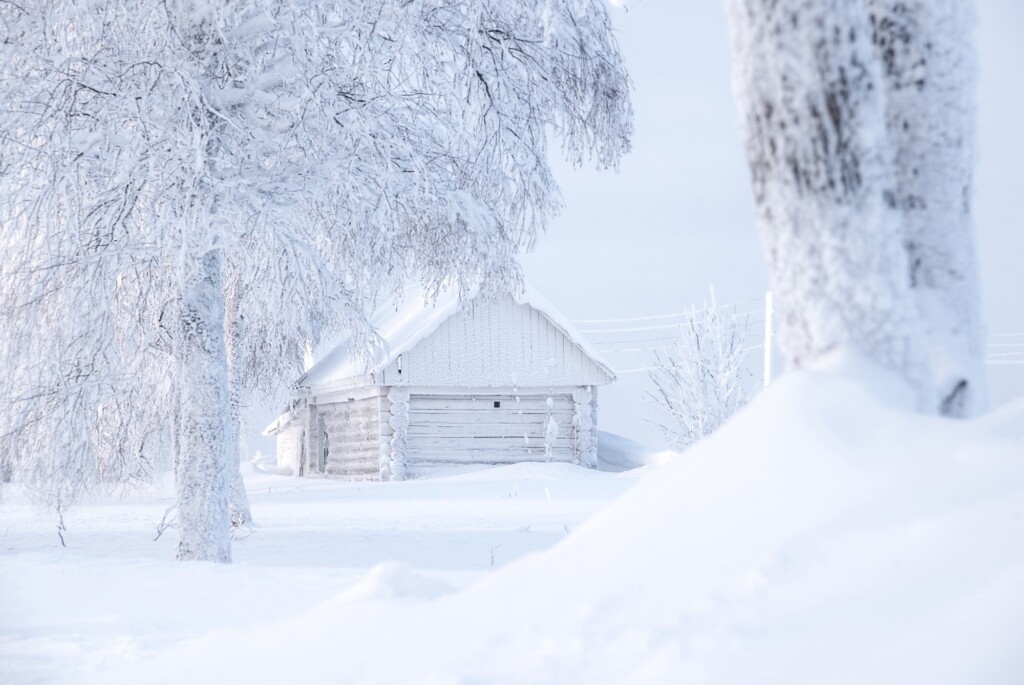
<point x="349" y="437"/>
<point x="488" y="427"/>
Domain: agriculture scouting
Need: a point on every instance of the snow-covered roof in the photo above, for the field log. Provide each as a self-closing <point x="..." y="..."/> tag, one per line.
<point x="403" y="322"/>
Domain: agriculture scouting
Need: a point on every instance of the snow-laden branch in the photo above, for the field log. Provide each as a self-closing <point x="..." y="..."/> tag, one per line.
<point x="320" y="154"/>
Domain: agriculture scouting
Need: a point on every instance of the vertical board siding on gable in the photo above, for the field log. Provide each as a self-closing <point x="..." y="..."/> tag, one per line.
<point x="500" y="343"/>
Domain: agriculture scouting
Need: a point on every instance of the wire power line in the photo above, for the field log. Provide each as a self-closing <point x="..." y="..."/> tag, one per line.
<point x="660" y="317"/>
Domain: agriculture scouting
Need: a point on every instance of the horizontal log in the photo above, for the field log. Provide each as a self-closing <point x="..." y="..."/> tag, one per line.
<point x="353" y="447"/>
<point x="346" y="457"/>
<point x="448" y="460"/>
<point x="426" y="402"/>
<point x="349" y="408"/>
<point x="513" y="440"/>
<point x="349" y="439"/>
<point x="484" y="393"/>
<point x="485" y="449"/>
<point x="343" y="473"/>
<point x="353" y="457"/>
<point x="351" y="419"/>
<point x="352" y="407"/>
<point x="538" y="422"/>
<point x="361" y="467"/>
<point x="483" y="441"/>
<point x="346" y="428"/>
<point x="490" y="413"/>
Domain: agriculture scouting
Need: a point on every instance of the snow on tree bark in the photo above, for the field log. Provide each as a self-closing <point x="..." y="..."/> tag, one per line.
<point x="928" y="66"/>
<point x="201" y="475"/>
<point x="234" y="332"/>
<point x="550" y="437"/>
<point x="384" y="464"/>
<point x="811" y="97"/>
<point x="584" y="445"/>
<point x="399" y="398"/>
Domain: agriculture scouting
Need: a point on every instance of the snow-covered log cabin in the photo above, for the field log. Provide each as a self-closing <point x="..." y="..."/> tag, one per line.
<point x="485" y="380"/>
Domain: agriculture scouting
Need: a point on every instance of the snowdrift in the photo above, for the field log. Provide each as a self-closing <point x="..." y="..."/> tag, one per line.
<point x="827" y="534"/>
<point x="617" y="453"/>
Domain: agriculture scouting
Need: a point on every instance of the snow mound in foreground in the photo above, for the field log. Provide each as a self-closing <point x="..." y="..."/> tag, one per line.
<point x="392" y="580"/>
<point x="825" y="535"/>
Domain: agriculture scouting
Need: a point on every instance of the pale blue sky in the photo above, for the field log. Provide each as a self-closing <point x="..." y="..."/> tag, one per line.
<point x="677" y="217"/>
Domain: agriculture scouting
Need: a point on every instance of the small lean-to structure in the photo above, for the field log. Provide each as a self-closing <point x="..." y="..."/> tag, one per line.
<point x="483" y="380"/>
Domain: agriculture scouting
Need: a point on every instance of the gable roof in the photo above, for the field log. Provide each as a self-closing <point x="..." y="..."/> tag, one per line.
<point x="403" y="322"/>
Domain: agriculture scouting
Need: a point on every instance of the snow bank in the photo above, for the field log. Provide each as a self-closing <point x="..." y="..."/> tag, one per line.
<point x="826" y="534"/>
<point x="617" y="453"/>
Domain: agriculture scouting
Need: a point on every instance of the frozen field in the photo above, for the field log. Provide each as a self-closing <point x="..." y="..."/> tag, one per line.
<point x="827" y="534"/>
<point x="115" y="594"/>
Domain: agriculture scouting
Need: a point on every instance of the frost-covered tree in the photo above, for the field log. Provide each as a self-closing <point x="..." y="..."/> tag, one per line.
<point x="701" y="382"/>
<point x="183" y="183"/>
<point x="859" y="125"/>
<point x="928" y="75"/>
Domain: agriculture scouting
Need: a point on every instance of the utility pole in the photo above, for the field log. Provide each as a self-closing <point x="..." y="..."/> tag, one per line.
<point x="768" y="338"/>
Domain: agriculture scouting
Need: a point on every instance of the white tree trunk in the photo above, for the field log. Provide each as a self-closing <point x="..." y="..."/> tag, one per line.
<point x="809" y="91"/>
<point x="241" y="515"/>
<point x="240" y="512"/>
<point x="928" y="63"/>
<point x="204" y="430"/>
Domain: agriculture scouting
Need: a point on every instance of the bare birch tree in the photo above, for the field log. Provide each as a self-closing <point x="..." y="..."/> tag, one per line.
<point x="700" y="383"/>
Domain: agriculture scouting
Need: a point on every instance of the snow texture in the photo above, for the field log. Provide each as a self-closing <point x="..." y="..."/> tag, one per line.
<point x="812" y="103"/>
<point x="828" y="533"/>
<point x="550" y="434"/>
<point x="617" y="453"/>
<point x="583" y="426"/>
<point x="928" y="62"/>
<point x="203" y="453"/>
<point x="399" y="399"/>
<point x="407" y="319"/>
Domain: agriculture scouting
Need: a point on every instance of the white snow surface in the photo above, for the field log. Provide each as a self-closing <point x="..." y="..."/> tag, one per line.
<point x="618" y="453"/>
<point x="403" y="321"/>
<point x="826" y="534"/>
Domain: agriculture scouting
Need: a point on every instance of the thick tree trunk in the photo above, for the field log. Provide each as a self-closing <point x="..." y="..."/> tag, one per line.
<point x="927" y="60"/>
<point x="809" y="91"/>
<point x="204" y="433"/>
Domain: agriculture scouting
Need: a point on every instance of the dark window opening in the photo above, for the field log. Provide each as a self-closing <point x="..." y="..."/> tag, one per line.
<point x="497" y="405"/>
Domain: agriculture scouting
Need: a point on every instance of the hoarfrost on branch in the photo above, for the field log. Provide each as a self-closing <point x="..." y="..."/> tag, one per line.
<point x="291" y="161"/>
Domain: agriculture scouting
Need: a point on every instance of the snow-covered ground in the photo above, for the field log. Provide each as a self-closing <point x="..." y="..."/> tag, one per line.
<point x="114" y="594"/>
<point x="827" y="534"/>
